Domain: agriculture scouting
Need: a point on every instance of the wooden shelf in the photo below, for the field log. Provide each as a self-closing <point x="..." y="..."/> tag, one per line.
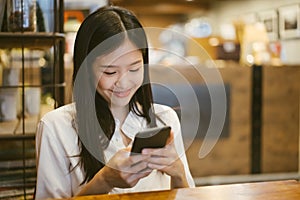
<point x="17" y="136"/>
<point x="29" y="40"/>
<point x="10" y="130"/>
<point x="57" y="85"/>
<point x="14" y="128"/>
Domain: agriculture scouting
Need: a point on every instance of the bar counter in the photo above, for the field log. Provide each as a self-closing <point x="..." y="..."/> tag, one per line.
<point x="275" y="190"/>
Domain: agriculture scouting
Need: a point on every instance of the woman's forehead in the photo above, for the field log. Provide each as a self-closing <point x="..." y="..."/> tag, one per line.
<point x="126" y="50"/>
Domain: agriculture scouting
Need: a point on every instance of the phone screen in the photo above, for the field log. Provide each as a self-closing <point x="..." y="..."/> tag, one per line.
<point x="151" y="138"/>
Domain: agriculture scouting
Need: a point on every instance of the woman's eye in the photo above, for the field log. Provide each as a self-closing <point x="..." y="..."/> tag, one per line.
<point x="135" y="70"/>
<point x="109" y="73"/>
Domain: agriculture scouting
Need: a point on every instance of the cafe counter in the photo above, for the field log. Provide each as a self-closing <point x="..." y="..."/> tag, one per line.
<point x="288" y="190"/>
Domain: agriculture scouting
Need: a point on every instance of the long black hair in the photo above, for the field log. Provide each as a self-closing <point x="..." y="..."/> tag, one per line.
<point x="95" y="121"/>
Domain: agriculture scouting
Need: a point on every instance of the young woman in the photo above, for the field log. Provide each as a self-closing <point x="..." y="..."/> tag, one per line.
<point x="84" y="148"/>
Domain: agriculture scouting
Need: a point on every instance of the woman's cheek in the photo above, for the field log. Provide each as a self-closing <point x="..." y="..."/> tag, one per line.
<point x="104" y="83"/>
<point x="139" y="78"/>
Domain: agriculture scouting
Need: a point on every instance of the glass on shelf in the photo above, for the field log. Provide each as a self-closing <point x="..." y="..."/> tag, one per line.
<point x="8" y="96"/>
<point x="21" y="15"/>
<point x="8" y="104"/>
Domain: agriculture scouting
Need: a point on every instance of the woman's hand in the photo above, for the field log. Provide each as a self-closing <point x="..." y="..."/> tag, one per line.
<point x="122" y="171"/>
<point x="167" y="160"/>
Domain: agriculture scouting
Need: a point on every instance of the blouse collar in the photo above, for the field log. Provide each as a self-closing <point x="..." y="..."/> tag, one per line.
<point x="133" y="124"/>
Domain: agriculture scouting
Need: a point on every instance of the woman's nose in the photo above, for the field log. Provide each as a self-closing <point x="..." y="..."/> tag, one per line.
<point x="122" y="80"/>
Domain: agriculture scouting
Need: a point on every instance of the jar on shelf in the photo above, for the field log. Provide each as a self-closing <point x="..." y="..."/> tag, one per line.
<point x="21" y="15"/>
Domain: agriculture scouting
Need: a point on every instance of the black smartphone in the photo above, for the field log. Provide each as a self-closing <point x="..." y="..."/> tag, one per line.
<point x="151" y="138"/>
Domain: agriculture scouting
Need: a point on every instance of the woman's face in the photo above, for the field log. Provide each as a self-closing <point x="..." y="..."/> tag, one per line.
<point x="119" y="74"/>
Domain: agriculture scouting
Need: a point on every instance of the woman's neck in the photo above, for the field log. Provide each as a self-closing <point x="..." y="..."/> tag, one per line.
<point x="120" y="113"/>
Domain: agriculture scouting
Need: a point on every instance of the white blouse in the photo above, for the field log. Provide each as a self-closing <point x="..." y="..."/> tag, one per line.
<point x="57" y="147"/>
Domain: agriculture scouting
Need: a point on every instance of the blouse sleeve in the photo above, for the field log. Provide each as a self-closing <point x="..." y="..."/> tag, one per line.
<point x="169" y="116"/>
<point x="181" y="152"/>
<point x="53" y="180"/>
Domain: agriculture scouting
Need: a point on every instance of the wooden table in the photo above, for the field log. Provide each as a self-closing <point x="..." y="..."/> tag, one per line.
<point x="287" y="190"/>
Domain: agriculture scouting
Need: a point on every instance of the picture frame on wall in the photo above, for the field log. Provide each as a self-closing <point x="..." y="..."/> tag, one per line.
<point x="270" y="19"/>
<point x="289" y="21"/>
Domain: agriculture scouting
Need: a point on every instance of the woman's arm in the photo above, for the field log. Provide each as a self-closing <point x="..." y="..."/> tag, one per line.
<point x="54" y="169"/>
<point x="53" y="175"/>
<point x="97" y="185"/>
<point x="122" y="171"/>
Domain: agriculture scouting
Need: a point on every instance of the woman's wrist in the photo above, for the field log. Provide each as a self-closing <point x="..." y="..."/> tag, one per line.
<point x="103" y="180"/>
<point x="98" y="185"/>
<point x="179" y="181"/>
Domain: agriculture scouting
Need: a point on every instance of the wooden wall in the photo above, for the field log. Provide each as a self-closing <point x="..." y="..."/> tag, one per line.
<point x="281" y="89"/>
<point x="230" y="155"/>
<point x="280" y="130"/>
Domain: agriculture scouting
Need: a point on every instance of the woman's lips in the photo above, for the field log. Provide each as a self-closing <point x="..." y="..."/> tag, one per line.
<point x="121" y="94"/>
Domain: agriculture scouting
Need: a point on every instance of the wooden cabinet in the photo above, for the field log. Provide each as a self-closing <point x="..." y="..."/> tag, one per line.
<point x="44" y="82"/>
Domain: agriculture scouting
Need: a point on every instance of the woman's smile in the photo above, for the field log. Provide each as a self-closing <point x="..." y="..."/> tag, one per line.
<point x="121" y="93"/>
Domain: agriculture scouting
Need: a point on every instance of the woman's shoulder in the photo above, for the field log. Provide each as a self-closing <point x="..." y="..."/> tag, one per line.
<point x="58" y="130"/>
<point x="161" y="109"/>
<point x="166" y="113"/>
<point x="167" y="116"/>
<point x="60" y="124"/>
<point x="60" y="115"/>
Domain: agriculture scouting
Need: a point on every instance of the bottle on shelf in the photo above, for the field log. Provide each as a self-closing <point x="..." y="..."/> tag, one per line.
<point x="21" y="15"/>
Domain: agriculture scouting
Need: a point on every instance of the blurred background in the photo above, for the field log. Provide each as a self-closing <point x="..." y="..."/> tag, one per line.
<point x="253" y="44"/>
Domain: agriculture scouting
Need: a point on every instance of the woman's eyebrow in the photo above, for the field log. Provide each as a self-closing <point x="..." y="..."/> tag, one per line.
<point x="108" y="66"/>
<point x="136" y="62"/>
<point x="115" y="66"/>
